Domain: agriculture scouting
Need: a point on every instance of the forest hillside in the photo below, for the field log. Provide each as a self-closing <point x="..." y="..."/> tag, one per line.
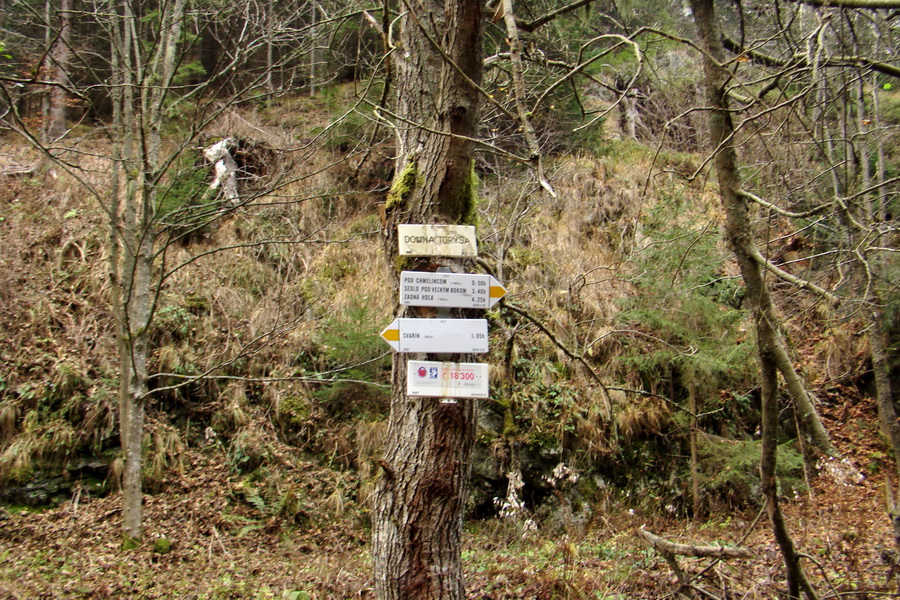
<point x="240" y="311"/>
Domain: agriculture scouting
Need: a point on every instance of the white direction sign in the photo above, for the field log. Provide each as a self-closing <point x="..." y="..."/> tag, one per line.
<point x="452" y="290"/>
<point x="451" y="336"/>
<point x="446" y="379"/>
<point x="437" y="240"/>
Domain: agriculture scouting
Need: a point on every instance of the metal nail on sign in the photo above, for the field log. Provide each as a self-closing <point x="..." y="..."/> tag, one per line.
<point x="449" y="290"/>
<point x="446" y="379"/>
<point x="437" y="240"/>
<point x="450" y="336"/>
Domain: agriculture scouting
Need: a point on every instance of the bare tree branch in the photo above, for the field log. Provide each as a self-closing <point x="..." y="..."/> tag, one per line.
<point x="515" y="55"/>
<point x="784" y="213"/>
<point x="801" y="60"/>
<point x="543" y="20"/>
<point x="793" y="279"/>
<point x="864" y="4"/>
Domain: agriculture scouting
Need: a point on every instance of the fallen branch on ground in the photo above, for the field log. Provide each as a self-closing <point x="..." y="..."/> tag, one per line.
<point x="670" y="550"/>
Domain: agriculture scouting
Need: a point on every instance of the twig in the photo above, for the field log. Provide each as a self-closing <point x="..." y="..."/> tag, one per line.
<point x="216" y="538"/>
<point x="20" y="170"/>
<point x="607" y="401"/>
<point x="515" y="57"/>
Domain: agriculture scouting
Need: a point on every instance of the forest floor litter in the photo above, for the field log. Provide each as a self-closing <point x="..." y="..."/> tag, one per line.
<point x="203" y="541"/>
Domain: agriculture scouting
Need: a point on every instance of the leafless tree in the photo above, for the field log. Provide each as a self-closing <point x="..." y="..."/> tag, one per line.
<point x="143" y="74"/>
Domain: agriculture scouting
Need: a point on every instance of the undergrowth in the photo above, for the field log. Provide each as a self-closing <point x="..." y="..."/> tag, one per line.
<point x="284" y="326"/>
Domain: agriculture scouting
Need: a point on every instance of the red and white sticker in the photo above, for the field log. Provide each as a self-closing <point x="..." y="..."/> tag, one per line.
<point x="447" y="379"/>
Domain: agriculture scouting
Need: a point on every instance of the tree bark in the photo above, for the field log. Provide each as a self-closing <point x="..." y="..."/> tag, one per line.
<point x="738" y="226"/>
<point x="879" y="343"/>
<point x="421" y="496"/>
<point x="771" y="351"/>
<point x="421" y="499"/>
<point x="123" y="215"/>
<point x="138" y="308"/>
<point x="810" y="422"/>
<point x="679" y="549"/>
<point x="887" y="415"/>
<point x="695" y="460"/>
<point x="796" y="578"/>
<point x="60" y="58"/>
<point x="313" y="55"/>
<point x="141" y="87"/>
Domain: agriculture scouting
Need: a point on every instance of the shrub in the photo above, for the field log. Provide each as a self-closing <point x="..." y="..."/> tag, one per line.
<point x="729" y="471"/>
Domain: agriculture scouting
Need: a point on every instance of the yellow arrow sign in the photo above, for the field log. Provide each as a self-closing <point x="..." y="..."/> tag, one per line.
<point x="391" y="335"/>
<point x="450" y="336"/>
<point x="449" y="290"/>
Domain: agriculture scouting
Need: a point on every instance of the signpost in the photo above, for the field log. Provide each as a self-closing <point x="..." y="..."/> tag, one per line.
<point x="451" y="336"/>
<point x="446" y="379"/>
<point x="450" y="290"/>
<point x="437" y="240"/>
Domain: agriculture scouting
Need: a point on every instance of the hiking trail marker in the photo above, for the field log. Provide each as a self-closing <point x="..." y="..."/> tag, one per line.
<point x="446" y="379"/>
<point x="450" y="290"/>
<point x="446" y="336"/>
<point x="437" y="240"/>
<point x="443" y="290"/>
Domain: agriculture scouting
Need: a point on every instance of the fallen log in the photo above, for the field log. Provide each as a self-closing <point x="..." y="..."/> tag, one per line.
<point x="670" y="550"/>
<point x="674" y="548"/>
<point x="17" y="170"/>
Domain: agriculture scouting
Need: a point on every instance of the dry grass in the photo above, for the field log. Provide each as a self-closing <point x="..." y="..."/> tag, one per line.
<point x="562" y="258"/>
<point x="641" y="416"/>
<point x="250" y="311"/>
<point x="297" y="264"/>
<point x="369" y="441"/>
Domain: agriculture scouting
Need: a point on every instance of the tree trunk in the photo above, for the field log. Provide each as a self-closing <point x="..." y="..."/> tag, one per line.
<point x="810" y="422"/>
<point x="313" y="55"/>
<point x="60" y="59"/>
<point x="630" y="110"/>
<point x="796" y="578"/>
<point x="421" y="496"/>
<point x="881" y="359"/>
<point x="738" y="227"/>
<point x="143" y="83"/>
<point x="270" y="54"/>
<point x="887" y="415"/>
<point x="771" y="351"/>
<point x="421" y="499"/>
<point x="124" y="240"/>
<point x="695" y="469"/>
<point x="138" y="307"/>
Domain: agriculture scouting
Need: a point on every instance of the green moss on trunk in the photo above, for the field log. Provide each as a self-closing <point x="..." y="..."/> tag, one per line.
<point x="403" y="186"/>
<point x="468" y="212"/>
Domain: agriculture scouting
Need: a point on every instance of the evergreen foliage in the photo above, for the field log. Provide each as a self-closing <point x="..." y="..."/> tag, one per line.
<point x="685" y="325"/>
<point x="289" y="317"/>
<point x="730" y="472"/>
